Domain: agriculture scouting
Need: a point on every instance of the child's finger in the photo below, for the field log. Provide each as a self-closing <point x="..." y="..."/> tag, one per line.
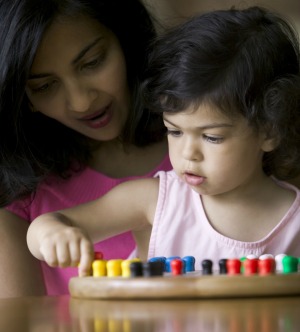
<point x="74" y="249"/>
<point x="87" y="257"/>
<point x="49" y="254"/>
<point x="63" y="254"/>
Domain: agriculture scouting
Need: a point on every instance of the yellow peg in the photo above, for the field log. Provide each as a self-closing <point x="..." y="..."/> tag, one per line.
<point x="99" y="268"/>
<point x="113" y="267"/>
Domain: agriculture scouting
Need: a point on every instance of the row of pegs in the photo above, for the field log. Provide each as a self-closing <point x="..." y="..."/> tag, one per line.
<point x="251" y="264"/>
<point x="157" y="266"/>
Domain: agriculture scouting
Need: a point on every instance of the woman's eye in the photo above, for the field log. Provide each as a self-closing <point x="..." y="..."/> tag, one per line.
<point x="213" y="139"/>
<point x="91" y="64"/>
<point x="94" y="63"/>
<point x="43" y="88"/>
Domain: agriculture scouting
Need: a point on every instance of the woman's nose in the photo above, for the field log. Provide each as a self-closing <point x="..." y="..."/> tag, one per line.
<point x="80" y="97"/>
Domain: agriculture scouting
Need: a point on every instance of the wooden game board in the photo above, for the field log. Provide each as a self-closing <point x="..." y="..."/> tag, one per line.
<point x="192" y="285"/>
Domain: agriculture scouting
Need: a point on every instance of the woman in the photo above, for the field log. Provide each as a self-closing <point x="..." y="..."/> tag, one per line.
<point x="68" y="121"/>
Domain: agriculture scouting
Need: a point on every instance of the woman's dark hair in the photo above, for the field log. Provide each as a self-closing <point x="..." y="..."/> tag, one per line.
<point x="242" y="61"/>
<point x="31" y="144"/>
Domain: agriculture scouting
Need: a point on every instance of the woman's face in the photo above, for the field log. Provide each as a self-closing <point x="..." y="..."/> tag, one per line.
<point x="79" y="78"/>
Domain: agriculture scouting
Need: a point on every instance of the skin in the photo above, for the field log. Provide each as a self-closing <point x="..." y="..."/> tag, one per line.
<point x="218" y="157"/>
<point x="81" y="83"/>
<point x="225" y="157"/>
<point x="88" y="80"/>
<point x="20" y="272"/>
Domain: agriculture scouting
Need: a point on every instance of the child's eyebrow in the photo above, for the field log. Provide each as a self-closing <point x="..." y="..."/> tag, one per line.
<point x="208" y="126"/>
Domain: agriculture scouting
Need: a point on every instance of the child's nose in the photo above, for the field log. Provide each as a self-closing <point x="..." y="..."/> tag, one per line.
<point x="192" y="150"/>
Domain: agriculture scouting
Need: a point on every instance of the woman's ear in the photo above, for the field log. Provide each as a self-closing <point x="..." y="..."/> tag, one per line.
<point x="31" y="107"/>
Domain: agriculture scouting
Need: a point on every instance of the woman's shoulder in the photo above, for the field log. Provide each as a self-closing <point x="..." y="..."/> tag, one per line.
<point x="80" y="186"/>
<point x="55" y="193"/>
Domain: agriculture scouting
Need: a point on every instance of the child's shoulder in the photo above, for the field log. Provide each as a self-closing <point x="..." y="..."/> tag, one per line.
<point x="170" y="182"/>
<point x="139" y="188"/>
<point x="288" y="186"/>
<point x="288" y="197"/>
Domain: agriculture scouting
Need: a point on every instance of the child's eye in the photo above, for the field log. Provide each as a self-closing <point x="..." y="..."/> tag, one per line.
<point x="213" y="139"/>
<point x="174" y="133"/>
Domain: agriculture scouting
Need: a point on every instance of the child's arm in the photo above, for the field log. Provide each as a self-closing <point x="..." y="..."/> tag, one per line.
<point x="65" y="238"/>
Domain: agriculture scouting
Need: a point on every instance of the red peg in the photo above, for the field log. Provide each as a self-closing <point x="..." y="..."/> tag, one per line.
<point x="176" y="267"/>
<point x="266" y="266"/>
<point x="233" y="266"/>
<point x="98" y="255"/>
<point x="250" y="266"/>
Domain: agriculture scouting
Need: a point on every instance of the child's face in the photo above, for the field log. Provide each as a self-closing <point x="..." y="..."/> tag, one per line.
<point x="213" y="153"/>
<point x="78" y="78"/>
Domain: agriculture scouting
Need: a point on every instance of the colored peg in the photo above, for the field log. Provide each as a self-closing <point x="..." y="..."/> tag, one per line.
<point x="251" y="256"/>
<point x="98" y="255"/>
<point x="222" y="266"/>
<point x="250" y="266"/>
<point x="206" y="266"/>
<point x="279" y="265"/>
<point x="113" y="267"/>
<point x="266" y="256"/>
<point x="154" y="268"/>
<point x="233" y="266"/>
<point x="136" y="269"/>
<point x="161" y="259"/>
<point x="242" y="259"/>
<point x="266" y="266"/>
<point x="290" y="264"/>
<point x="99" y="268"/>
<point x="189" y="265"/>
<point x="176" y="266"/>
<point x="168" y="263"/>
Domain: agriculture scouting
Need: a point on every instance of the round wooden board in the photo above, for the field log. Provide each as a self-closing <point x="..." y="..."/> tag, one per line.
<point x="192" y="285"/>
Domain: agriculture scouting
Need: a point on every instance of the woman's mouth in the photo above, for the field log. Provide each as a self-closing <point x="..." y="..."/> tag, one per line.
<point x="192" y="179"/>
<point x="99" y="119"/>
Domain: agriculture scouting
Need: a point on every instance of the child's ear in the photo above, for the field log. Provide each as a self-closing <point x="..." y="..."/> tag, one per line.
<point x="270" y="143"/>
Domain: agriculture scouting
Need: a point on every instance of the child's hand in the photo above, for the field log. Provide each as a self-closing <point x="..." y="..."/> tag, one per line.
<point x="51" y="238"/>
<point x="68" y="246"/>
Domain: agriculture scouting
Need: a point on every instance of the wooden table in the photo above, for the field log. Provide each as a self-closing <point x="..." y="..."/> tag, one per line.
<point x="64" y="314"/>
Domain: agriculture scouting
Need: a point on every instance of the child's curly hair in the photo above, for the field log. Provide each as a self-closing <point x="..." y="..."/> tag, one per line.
<point x="242" y="61"/>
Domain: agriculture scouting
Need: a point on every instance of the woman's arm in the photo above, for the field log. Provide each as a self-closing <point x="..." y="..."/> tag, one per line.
<point x="65" y="237"/>
<point x="20" y="273"/>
